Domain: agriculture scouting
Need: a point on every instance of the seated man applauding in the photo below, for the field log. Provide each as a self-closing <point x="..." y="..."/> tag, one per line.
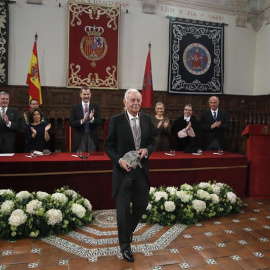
<point x="185" y="130"/>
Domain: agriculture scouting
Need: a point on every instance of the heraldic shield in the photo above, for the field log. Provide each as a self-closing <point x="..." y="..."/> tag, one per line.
<point x="93" y="45"/>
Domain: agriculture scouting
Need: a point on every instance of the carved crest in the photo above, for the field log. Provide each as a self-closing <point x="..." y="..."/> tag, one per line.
<point x="93" y="46"/>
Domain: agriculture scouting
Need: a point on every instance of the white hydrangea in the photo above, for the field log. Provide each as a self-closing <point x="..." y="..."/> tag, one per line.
<point x="6" y="192"/>
<point x="204" y="185"/>
<point x="88" y="204"/>
<point x="149" y="206"/>
<point x="23" y="195"/>
<point x="6" y="207"/>
<point x="169" y="206"/>
<point x="42" y="195"/>
<point x="198" y="205"/>
<point x="152" y="190"/>
<point x="214" y="198"/>
<point x="33" y="206"/>
<point x="72" y="193"/>
<point x="184" y="196"/>
<point x="220" y="184"/>
<point x="17" y="218"/>
<point x="54" y="216"/>
<point x="204" y="195"/>
<point x="59" y="197"/>
<point x="216" y="188"/>
<point x="231" y="197"/>
<point x="186" y="187"/>
<point x="160" y="194"/>
<point x="171" y="190"/>
<point x="78" y="210"/>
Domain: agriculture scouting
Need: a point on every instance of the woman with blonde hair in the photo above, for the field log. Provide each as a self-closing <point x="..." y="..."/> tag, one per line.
<point x="162" y="125"/>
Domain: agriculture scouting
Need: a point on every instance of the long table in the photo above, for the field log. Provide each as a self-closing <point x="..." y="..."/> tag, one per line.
<point x="92" y="177"/>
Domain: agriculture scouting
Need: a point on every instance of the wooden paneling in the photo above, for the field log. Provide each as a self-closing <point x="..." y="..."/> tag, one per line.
<point x="57" y="102"/>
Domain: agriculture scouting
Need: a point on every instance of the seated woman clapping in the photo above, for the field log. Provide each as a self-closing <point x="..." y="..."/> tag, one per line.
<point x="37" y="132"/>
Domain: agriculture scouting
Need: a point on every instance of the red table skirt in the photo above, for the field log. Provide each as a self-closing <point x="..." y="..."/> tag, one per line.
<point x="92" y="177"/>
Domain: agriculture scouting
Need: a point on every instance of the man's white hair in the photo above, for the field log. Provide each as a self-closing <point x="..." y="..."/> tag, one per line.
<point x="131" y="90"/>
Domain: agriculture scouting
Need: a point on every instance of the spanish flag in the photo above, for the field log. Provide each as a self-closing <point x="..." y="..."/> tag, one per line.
<point x="33" y="79"/>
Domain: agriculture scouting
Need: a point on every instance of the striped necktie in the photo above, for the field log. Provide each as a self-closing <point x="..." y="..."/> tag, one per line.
<point x="3" y="112"/>
<point x="135" y="132"/>
<point x="86" y="108"/>
<point x="214" y="115"/>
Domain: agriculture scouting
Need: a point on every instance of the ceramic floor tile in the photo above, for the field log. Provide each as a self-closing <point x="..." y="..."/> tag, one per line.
<point x="228" y="263"/>
<point x="165" y="260"/>
<point x="19" y="258"/>
<point x="172" y="267"/>
<point x="251" y="264"/>
<point x="49" y="257"/>
<point x="17" y="267"/>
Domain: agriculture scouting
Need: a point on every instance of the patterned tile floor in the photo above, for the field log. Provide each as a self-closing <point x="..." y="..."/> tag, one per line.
<point x="240" y="241"/>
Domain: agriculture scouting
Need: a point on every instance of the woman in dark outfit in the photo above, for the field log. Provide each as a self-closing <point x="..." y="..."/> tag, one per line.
<point x="36" y="133"/>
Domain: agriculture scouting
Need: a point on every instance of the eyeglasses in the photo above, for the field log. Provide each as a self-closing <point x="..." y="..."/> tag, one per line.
<point x="188" y="110"/>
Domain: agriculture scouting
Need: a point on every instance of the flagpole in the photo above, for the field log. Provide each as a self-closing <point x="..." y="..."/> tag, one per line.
<point x="36" y="36"/>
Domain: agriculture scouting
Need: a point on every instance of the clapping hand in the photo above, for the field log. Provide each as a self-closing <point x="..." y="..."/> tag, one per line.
<point x="85" y="117"/>
<point x="6" y="118"/>
<point x="92" y="114"/>
<point x="166" y="123"/>
<point x="217" y="124"/>
<point x="48" y="127"/>
<point x="159" y="124"/>
<point x="34" y="132"/>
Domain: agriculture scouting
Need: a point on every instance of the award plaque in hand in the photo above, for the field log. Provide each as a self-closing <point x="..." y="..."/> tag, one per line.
<point x="133" y="158"/>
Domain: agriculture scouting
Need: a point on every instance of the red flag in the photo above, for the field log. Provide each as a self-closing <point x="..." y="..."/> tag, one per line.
<point x="147" y="88"/>
<point x="33" y="79"/>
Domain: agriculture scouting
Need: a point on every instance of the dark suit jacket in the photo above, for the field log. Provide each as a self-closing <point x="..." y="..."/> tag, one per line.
<point x="120" y="141"/>
<point x="7" y="135"/>
<point x="216" y="133"/>
<point x="76" y="115"/>
<point x="187" y="144"/>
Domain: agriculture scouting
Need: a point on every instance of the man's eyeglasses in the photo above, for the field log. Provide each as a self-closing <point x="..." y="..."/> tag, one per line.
<point x="188" y="110"/>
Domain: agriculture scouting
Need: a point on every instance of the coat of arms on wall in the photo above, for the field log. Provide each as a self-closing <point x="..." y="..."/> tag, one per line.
<point x="195" y="57"/>
<point x="93" y="46"/>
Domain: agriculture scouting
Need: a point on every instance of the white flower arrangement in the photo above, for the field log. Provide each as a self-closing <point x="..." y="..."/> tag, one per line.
<point x="40" y="214"/>
<point x="78" y="210"/>
<point x="189" y="204"/>
<point x="54" y="216"/>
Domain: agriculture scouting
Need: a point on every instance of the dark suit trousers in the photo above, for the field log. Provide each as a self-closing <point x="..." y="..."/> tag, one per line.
<point x="135" y="190"/>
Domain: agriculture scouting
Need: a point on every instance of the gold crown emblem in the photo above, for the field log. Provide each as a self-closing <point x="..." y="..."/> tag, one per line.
<point x="94" y="31"/>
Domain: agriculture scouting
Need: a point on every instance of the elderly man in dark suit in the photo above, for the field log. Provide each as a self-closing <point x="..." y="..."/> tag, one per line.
<point x="9" y="123"/>
<point x="85" y="119"/>
<point x="214" y="123"/>
<point x="130" y="131"/>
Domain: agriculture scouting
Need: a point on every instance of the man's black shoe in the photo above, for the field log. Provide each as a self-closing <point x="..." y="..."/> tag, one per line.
<point x="128" y="255"/>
